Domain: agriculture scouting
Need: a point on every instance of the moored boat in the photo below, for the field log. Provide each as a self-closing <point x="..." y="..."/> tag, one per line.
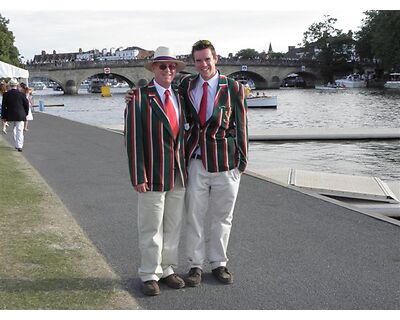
<point x="95" y="86"/>
<point x="262" y="101"/>
<point x="329" y="87"/>
<point x="393" y="82"/>
<point x="38" y="85"/>
<point x="351" y="81"/>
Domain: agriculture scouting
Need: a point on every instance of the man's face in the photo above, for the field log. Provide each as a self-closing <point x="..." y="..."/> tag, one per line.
<point x="205" y="62"/>
<point x="164" y="73"/>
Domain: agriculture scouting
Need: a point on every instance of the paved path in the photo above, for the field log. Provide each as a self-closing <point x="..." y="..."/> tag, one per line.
<point x="288" y="250"/>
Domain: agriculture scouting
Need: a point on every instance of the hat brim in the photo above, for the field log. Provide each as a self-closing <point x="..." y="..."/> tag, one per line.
<point x="180" y="65"/>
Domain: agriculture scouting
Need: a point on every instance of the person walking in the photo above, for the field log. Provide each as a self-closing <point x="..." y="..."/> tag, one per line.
<point x="154" y="138"/>
<point x="28" y="93"/>
<point x="15" y="108"/>
<point x="217" y="149"/>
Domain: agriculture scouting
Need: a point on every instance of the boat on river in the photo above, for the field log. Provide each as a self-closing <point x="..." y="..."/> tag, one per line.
<point x="329" y="87"/>
<point x="393" y="82"/>
<point x="95" y="86"/>
<point x="257" y="101"/>
<point x="38" y="85"/>
<point x="351" y="81"/>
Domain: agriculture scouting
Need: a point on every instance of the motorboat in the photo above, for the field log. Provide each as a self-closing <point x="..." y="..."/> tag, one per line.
<point x="351" y="81"/>
<point x="262" y="101"/>
<point x="38" y="85"/>
<point x="247" y="83"/>
<point x="95" y="86"/>
<point x="329" y="87"/>
<point x="393" y="82"/>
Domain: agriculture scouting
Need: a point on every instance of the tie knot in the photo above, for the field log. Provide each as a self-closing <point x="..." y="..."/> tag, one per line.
<point x="167" y="93"/>
<point x="205" y="84"/>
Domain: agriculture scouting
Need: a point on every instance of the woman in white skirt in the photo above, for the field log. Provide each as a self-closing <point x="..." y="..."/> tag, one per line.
<point x="29" y="117"/>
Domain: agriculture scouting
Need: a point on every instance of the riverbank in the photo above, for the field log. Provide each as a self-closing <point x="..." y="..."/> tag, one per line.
<point x="46" y="260"/>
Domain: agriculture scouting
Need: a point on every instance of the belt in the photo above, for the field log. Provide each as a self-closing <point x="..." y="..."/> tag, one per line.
<point x="196" y="156"/>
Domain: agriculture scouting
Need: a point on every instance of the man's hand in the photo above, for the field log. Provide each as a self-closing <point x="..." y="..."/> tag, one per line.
<point x="141" y="188"/>
<point x="130" y="95"/>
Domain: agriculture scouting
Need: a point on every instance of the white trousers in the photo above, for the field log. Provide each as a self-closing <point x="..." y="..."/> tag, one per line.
<point x="18" y="131"/>
<point x="213" y="194"/>
<point x="160" y="217"/>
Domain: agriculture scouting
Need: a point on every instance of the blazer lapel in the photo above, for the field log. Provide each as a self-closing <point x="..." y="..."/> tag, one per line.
<point x="192" y="85"/>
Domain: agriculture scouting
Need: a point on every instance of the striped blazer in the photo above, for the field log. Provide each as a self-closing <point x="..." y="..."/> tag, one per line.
<point x="224" y="138"/>
<point x="153" y="154"/>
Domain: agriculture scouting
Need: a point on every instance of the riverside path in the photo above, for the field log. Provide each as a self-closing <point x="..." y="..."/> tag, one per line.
<point x="288" y="250"/>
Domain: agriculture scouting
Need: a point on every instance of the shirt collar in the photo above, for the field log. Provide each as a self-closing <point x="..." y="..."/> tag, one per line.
<point x="161" y="90"/>
<point x="213" y="82"/>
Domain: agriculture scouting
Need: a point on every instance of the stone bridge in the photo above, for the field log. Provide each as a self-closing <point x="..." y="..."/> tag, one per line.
<point x="266" y="74"/>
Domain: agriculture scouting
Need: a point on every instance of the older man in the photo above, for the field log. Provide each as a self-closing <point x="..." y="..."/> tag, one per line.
<point x="155" y="146"/>
<point x="15" y="108"/>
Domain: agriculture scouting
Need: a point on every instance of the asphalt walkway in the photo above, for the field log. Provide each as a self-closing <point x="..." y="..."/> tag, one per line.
<point x="288" y="250"/>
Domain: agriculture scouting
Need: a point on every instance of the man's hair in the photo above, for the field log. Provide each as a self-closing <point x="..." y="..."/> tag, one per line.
<point x="201" y="45"/>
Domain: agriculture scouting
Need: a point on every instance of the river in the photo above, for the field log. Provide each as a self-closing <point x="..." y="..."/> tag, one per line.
<point x="297" y="108"/>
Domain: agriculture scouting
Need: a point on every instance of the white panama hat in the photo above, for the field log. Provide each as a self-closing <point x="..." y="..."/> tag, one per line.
<point x="164" y="54"/>
<point x="13" y="82"/>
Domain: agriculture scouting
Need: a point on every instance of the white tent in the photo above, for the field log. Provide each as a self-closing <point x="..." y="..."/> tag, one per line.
<point x="10" y="71"/>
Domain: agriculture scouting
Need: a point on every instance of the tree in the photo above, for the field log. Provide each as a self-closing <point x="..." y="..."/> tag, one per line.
<point x="378" y="40"/>
<point x="332" y="48"/>
<point x="247" y="54"/>
<point x="8" y="52"/>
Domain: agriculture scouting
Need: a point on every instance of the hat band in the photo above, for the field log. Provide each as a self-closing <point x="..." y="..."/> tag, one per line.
<point x="164" y="58"/>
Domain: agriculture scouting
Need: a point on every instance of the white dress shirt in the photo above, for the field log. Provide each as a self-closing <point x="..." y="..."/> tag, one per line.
<point x="161" y="92"/>
<point x="197" y="94"/>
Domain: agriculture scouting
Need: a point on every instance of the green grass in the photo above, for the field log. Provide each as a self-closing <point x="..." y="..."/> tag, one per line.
<point x="46" y="261"/>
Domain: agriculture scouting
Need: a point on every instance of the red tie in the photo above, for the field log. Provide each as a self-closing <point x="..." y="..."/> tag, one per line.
<point x="203" y="105"/>
<point x="171" y="114"/>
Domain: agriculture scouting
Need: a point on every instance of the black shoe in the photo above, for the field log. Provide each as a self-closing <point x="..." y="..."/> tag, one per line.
<point x="150" y="288"/>
<point x="194" y="277"/>
<point x="19" y="149"/>
<point x="173" y="281"/>
<point x="223" y="275"/>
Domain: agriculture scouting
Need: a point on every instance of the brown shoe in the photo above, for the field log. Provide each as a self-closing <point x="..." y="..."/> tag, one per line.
<point x="173" y="281"/>
<point x="194" y="277"/>
<point x="150" y="288"/>
<point x="223" y="275"/>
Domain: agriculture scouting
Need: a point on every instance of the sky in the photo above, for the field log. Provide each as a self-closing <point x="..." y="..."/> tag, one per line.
<point x="230" y="25"/>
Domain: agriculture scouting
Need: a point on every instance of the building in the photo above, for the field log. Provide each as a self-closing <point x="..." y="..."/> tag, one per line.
<point x="54" y="57"/>
<point x="294" y="53"/>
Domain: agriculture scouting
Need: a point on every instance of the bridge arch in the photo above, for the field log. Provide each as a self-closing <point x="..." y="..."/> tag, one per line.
<point x="101" y="75"/>
<point x="299" y="79"/>
<point x="259" y="81"/>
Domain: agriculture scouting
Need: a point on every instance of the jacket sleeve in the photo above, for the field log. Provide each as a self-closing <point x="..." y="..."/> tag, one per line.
<point x="134" y="140"/>
<point x="242" y="139"/>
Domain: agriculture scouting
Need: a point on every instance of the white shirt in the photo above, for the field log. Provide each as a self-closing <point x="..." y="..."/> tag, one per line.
<point x="197" y="94"/>
<point x="161" y="92"/>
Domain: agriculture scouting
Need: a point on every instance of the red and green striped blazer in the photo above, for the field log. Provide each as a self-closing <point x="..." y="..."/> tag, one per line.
<point x="153" y="154"/>
<point x="224" y="138"/>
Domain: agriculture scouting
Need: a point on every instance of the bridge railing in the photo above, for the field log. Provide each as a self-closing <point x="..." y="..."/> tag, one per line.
<point x="61" y="65"/>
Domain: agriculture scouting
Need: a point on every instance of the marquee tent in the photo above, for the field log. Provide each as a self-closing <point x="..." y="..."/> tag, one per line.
<point x="10" y="71"/>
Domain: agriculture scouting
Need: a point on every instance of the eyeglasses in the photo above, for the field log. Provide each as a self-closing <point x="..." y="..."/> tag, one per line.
<point x="171" y="67"/>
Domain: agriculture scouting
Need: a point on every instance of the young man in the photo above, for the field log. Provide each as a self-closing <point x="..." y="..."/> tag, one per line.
<point x="217" y="146"/>
<point x="155" y="146"/>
